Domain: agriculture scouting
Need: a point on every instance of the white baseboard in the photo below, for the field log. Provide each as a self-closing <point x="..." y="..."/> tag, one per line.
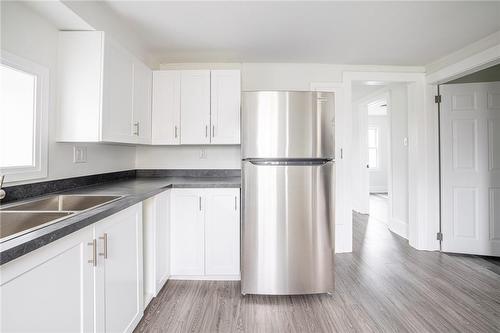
<point x="398" y="227"/>
<point x="206" y="277"/>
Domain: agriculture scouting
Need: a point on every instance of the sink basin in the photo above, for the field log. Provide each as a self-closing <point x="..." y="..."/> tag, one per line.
<point x="13" y="223"/>
<point x="63" y="203"/>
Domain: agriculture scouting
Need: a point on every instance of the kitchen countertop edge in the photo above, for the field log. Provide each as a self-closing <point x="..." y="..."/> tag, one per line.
<point x="19" y="246"/>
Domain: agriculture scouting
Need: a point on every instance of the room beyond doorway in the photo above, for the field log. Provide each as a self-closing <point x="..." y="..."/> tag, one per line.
<point x="380" y="143"/>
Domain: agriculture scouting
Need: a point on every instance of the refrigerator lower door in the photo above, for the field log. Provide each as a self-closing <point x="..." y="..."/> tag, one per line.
<point x="287" y="228"/>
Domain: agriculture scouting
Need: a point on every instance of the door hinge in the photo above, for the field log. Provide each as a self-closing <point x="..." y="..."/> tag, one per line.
<point x="439" y="236"/>
<point x="437" y="99"/>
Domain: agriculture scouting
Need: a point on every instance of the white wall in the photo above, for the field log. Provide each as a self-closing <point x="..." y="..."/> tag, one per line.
<point x="188" y="157"/>
<point x="378" y="177"/>
<point x="28" y="35"/>
<point x="254" y="76"/>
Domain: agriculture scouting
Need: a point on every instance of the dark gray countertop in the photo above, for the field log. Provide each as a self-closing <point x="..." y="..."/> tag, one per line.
<point x="133" y="191"/>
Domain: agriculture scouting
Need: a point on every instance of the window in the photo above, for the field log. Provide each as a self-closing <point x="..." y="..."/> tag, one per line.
<point x="372" y="147"/>
<point x="23" y="118"/>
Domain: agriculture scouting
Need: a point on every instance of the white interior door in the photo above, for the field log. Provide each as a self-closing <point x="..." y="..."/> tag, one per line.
<point x="470" y="168"/>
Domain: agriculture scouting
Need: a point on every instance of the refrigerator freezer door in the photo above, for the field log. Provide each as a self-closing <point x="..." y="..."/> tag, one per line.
<point x="281" y="124"/>
<point x="288" y="229"/>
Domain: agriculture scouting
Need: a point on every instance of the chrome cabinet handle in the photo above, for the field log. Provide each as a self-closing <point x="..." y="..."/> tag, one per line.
<point x="105" y="240"/>
<point x="200" y="202"/>
<point x="136" y="125"/>
<point x="213" y="131"/>
<point x="93" y="261"/>
<point x="235" y="202"/>
<point x="175" y="132"/>
<point x="206" y="131"/>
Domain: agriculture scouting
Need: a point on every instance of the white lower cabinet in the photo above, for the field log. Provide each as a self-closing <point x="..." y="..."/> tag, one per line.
<point x="119" y="271"/>
<point x="83" y="282"/>
<point x="156" y="235"/>
<point x="50" y="289"/>
<point x="205" y="237"/>
<point x="187" y="237"/>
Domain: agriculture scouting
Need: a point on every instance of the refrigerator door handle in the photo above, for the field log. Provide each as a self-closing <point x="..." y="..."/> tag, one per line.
<point x="289" y="162"/>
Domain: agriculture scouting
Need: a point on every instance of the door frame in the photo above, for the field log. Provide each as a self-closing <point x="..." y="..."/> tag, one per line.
<point x="468" y="65"/>
<point x="421" y="218"/>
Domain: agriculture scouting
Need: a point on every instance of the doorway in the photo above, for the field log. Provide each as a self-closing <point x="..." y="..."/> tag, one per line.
<point x="380" y="145"/>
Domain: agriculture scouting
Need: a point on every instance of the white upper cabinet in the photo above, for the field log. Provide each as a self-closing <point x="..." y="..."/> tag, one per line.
<point x="195" y="107"/>
<point x="166" y="108"/>
<point x="225" y="106"/>
<point x="142" y="103"/>
<point x="118" y="90"/>
<point x="103" y="91"/>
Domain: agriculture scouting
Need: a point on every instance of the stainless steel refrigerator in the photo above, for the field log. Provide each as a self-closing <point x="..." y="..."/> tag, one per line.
<point x="288" y="176"/>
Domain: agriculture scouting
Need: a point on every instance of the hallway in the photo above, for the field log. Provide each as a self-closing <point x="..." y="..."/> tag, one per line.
<point x="383" y="285"/>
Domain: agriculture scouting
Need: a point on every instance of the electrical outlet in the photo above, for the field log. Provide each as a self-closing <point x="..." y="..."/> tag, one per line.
<point x="203" y="153"/>
<point x="79" y="154"/>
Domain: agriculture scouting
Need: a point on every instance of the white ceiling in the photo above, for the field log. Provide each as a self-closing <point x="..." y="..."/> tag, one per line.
<point x="380" y="33"/>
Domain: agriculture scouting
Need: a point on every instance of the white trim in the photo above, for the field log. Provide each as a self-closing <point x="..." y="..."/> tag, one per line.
<point x="471" y="64"/>
<point x="206" y="277"/>
<point x="421" y="162"/>
<point x="398" y="227"/>
<point x="41" y="127"/>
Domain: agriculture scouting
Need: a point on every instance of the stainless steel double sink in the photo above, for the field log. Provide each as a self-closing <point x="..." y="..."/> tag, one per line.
<point x="18" y="219"/>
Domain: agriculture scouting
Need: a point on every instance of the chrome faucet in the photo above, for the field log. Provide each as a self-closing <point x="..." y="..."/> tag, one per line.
<point x="2" y="192"/>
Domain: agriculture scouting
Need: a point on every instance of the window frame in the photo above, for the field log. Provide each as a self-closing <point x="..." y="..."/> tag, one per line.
<point x="376" y="147"/>
<point x="40" y="135"/>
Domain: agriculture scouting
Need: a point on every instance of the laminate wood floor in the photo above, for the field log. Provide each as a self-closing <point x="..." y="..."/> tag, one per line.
<point x="384" y="285"/>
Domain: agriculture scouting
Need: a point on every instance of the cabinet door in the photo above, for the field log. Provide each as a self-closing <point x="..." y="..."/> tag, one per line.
<point x="166" y="107"/>
<point x="222" y="232"/>
<point x="117" y="109"/>
<point x="162" y="243"/>
<point x="225" y="106"/>
<point x="142" y="103"/>
<point x="119" y="285"/>
<point x="50" y="289"/>
<point x="195" y="107"/>
<point x="187" y="233"/>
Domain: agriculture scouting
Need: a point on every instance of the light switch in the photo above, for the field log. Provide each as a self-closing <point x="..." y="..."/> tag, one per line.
<point x="79" y="154"/>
